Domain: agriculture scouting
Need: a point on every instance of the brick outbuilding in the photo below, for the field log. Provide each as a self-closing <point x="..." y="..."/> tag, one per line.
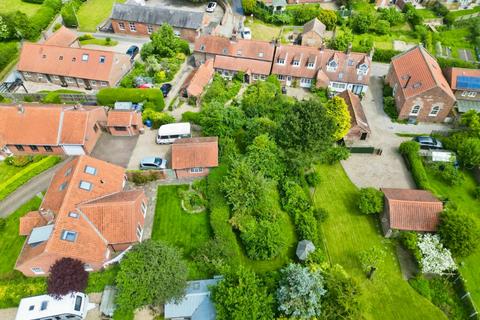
<point x="193" y="157"/>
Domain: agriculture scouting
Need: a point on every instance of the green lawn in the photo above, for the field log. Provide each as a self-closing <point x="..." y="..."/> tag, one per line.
<point x="262" y="31"/>
<point x="427" y="14"/>
<point x="462" y="196"/>
<point x="12" y="5"/>
<point x="458" y="13"/>
<point x="346" y="233"/>
<point x="94" y="12"/>
<point x="176" y="227"/>
<point x="99" y="42"/>
<point x="7" y="171"/>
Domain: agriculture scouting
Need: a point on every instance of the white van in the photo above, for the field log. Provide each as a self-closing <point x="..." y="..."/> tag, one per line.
<point x="168" y="133"/>
<point x="73" y="306"/>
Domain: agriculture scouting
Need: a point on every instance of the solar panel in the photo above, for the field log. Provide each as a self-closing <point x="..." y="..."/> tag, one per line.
<point x="464" y="82"/>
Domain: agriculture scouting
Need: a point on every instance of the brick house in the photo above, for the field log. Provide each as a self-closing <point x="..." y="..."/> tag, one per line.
<point x="465" y="84"/>
<point x="359" y="128"/>
<point x="60" y="61"/>
<point x="337" y="70"/>
<point x="144" y="20"/>
<point x="124" y="123"/>
<point x="198" y="80"/>
<point x="85" y="215"/>
<point x="231" y="56"/>
<point x="410" y="210"/>
<point x="313" y="33"/>
<point x="50" y="129"/>
<point x="193" y="157"/>
<point x="421" y="91"/>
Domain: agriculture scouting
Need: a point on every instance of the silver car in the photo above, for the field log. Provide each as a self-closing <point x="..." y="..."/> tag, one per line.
<point x="153" y="163"/>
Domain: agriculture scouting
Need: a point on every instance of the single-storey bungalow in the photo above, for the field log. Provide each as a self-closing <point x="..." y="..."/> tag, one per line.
<point x="410" y="210"/>
<point x="124" y="122"/>
<point x="359" y="128"/>
<point x="198" y="80"/>
<point x="193" y="157"/>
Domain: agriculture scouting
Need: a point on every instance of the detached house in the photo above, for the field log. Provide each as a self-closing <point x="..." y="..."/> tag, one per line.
<point x="193" y="157"/>
<point x="308" y="66"/>
<point x="85" y="215"/>
<point x="410" y="210"/>
<point x="465" y="84"/>
<point x="50" y="129"/>
<point x="231" y="56"/>
<point x="144" y="20"/>
<point x="61" y="60"/>
<point x="421" y="91"/>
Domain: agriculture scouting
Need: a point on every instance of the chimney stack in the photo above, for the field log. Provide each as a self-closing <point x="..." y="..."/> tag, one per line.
<point x="349" y="48"/>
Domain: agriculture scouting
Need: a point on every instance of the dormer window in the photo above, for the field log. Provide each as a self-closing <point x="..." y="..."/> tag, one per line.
<point x="102" y="59"/>
<point x="281" y="61"/>
<point x="332" y="66"/>
<point x="85" y="57"/>
<point x="362" y="69"/>
<point x="296" y="63"/>
<point x="311" y="65"/>
<point x="68" y="235"/>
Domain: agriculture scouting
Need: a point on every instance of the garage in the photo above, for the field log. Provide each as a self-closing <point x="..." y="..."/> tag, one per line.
<point x="73" y="150"/>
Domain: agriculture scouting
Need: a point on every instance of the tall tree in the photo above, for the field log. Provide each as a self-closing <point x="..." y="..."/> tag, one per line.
<point x="242" y="296"/>
<point x="151" y="273"/>
<point x="66" y="275"/>
<point x="300" y="292"/>
<point x="371" y="259"/>
<point x="263" y="155"/>
<point x="337" y="108"/>
<point x="459" y="232"/>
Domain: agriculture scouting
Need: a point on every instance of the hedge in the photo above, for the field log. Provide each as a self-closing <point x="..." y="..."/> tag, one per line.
<point x="158" y="119"/>
<point x="384" y="55"/>
<point x="14" y="182"/>
<point x="68" y="13"/>
<point x="409" y="150"/>
<point x="42" y="18"/>
<point x="109" y="96"/>
<point x="8" y="52"/>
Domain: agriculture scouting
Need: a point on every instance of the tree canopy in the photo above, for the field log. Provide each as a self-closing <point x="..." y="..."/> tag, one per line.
<point x="337" y="109"/>
<point x="459" y="232"/>
<point x="370" y="201"/>
<point x="164" y="44"/>
<point x="66" y="275"/>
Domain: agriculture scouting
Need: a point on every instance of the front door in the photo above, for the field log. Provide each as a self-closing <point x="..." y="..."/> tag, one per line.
<point x="289" y="81"/>
<point x="364" y="136"/>
<point x="247" y="78"/>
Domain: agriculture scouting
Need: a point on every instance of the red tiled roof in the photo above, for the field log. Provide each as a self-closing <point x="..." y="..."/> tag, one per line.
<point x="244" y="65"/>
<point x="120" y="118"/>
<point x="63" y="37"/>
<point x="240" y="48"/>
<point x="44" y="124"/>
<point x="200" y="78"/>
<point x="195" y="153"/>
<point x="69" y="62"/>
<point x="346" y="70"/>
<point x="417" y="71"/>
<point x="452" y="74"/>
<point x="357" y="116"/>
<point x="314" y="25"/>
<point x="414" y="210"/>
<point x="29" y="221"/>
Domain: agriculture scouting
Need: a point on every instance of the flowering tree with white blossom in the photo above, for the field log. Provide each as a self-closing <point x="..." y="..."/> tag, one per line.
<point x="435" y="258"/>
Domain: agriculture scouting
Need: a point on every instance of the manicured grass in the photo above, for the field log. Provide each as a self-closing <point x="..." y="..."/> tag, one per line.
<point x="346" y="233"/>
<point x="99" y="42"/>
<point x="7" y="171"/>
<point x="94" y="12"/>
<point x="427" y="14"/>
<point x="178" y="228"/>
<point x="261" y="30"/>
<point x="462" y="196"/>
<point x="459" y="13"/>
<point x="10" y="242"/>
<point x="12" y="5"/>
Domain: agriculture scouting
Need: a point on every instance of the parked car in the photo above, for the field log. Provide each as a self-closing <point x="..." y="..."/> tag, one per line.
<point x="211" y="6"/>
<point x="145" y="86"/>
<point x="427" y="142"/>
<point x="153" y="163"/>
<point x="246" y="33"/>
<point x="133" y="51"/>
<point x="165" y="88"/>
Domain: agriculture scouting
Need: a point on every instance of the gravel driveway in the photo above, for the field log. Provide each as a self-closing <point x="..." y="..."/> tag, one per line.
<point x="147" y="147"/>
<point x="116" y="150"/>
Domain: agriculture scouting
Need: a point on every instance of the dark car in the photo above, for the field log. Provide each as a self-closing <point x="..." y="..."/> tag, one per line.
<point x="427" y="142"/>
<point x="165" y="88"/>
<point x="133" y="51"/>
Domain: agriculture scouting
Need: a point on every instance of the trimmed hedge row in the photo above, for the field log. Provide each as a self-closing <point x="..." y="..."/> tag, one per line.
<point x="21" y="177"/>
<point x="8" y="52"/>
<point x="42" y="18"/>
<point x="409" y="150"/>
<point x="109" y="96"/>
<point x="384" y="55"/>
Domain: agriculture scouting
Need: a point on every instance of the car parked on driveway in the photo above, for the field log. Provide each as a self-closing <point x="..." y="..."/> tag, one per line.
<point x="132" y="52"/>
<point x="427" y="142"/>
<point x="165" y="88"/>
<point x="153" y="163"/>
<point x="211" y="6"/>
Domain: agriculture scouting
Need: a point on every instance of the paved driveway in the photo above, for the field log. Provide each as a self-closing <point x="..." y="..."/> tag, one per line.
<point x="115" y="150"/>
<point x="147" y="147"/>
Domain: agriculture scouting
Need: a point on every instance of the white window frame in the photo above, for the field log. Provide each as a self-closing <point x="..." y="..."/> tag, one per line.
<point x="149" y="29"/>
<point x="139" y="232"/>
<point x="263" y="77"/>
<point x="296" y="63"/>
<point x="144" y="209"/>
<point x="80" y="81"/>
<point x="255" y="76"/>
<point x="90" y="170"/>
<point x="260" y="54"/>
<point x="132" y="27"/>
<point x="281" y="61"/>
<point x="464" y="93"/>
<point x="196" y="170"/>
<point x="93" y="82"/>
<point x="64" y="235"/>
<point x="56" y="78"/>
<point x="85" y="57"/>
<point x="472" y="94"/>
<point x="85" y="185"/>
<point x="37" y="270"/>
<point x="311" y="65"/>
<point x="415" y="110"/>
<point x="280" y="77"/>
<point x="434" y="111"/>
<point x="87" y="267"/>
<point x="121" y="26"/>
<point x="103" y="83"/>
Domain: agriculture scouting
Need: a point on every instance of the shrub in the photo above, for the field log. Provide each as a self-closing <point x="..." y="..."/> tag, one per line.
<point x="370" y="201"/>
<point x="469" y="153"/>
<point x="410" y="149"/>
<point x="448" y="173"/>
<point x="384" y="55"/>
<point x="42" y="18"/>
<point x="158" y="118"/>
<point x="435" y="258"/>
<point x="142" y="177"/>
<point x="460" y="233"/>
<point x="68" y="13"/>
<point x="313" y="179"/>
<point x="3" y="223"/>
<point x="409" y="240"/>
<point x="476" y="193"/>
<point x="19" y="161"/>
<point x="8" y="52"/>
<point x="390" y="108"/>
<point x="66" y="275"/>
<point x="420" y="284"/>
<point x="334" y="154"/>
<point x="52" y="97"/>
<point x="57" y="26"/>
<point x="109" y="96"/>
<point x="191" y="116"/>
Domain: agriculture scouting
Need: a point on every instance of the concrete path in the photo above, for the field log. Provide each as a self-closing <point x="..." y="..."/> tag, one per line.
<point x="26" y="192"/>
<point x="177" y="81"/>
<point x="386" y="170"/>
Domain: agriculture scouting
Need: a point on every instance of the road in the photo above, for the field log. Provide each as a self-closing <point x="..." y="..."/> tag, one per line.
<point x="237" y="7"/>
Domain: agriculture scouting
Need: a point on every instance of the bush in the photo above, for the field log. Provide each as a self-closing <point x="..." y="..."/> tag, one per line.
<point x="19" y="161"/>
<point x="448" y="173"/>
<point x="370" y="201"/>
<point x="52" y="98"/>
<point x="42" y="18"/>
<point x="142" y="177"/>
<point x="8" y="52"/>
<point x="459" y="232"/>
<point x="390" y="108"/>
<point x="191" y="116"/>
<point x="476" y="193"/>
<point x="158" y="118"/>
<point x="3" y="223"/>
<point x="420" y="284"/>
<point x="409" y="240"/>
<point x="313" y="179"/>
<point x="384" y="55"/>
<point x="409" y="150"/>
<point x="109" y="96"/>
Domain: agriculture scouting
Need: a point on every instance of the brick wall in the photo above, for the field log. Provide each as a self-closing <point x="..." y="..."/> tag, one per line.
<point x="186" y="174"/>
<point x="94" y="131"/>
<point x="312" y="39"/>
<point x="142" y="29"/>
<point x="427" y="100"/>
<point x="56" y="150"/>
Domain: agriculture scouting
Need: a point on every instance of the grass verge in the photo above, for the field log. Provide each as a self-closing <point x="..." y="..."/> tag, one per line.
<point x="94" y="12"/>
